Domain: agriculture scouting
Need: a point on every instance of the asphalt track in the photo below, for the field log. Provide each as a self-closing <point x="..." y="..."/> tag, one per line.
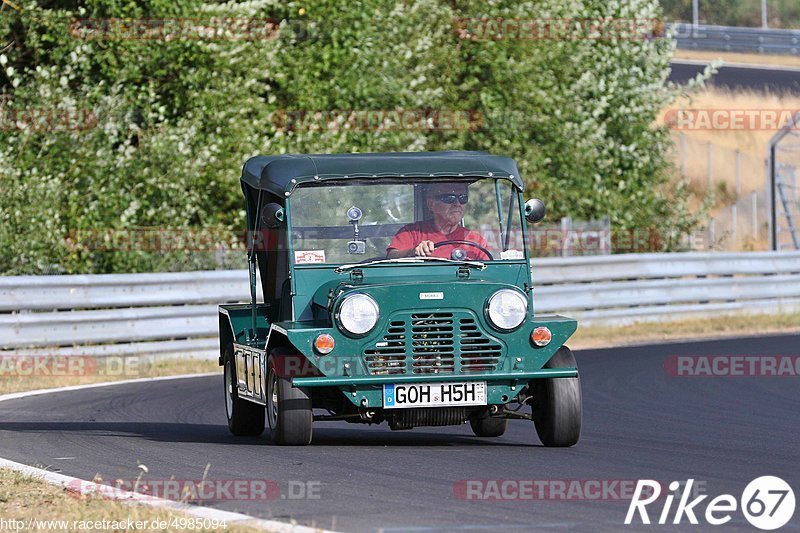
<point x="761" y="78"/>
<point x="639" y="422"/>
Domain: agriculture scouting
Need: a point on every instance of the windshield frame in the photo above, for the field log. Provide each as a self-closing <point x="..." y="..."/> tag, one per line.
<point x="504" y="214"/>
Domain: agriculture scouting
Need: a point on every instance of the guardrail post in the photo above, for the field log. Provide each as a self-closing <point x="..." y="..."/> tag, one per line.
<point x="566" y="227"/>
<point x="711" y="234"/>
<point x="738" y="173"/>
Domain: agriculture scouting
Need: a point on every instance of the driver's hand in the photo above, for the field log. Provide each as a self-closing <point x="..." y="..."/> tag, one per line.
<point x="424" y="249"/>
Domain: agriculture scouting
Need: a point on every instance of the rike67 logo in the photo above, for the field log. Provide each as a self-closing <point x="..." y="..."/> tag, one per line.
<point x="767" y="503"/>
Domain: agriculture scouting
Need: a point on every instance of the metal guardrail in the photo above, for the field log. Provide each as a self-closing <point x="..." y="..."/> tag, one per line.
<point x="176" y="313"/>
<point x="737" y="39"/>
<point x="121" y="290"/>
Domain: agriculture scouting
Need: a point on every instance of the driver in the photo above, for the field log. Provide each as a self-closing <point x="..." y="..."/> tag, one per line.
<point x="447" y="202"/>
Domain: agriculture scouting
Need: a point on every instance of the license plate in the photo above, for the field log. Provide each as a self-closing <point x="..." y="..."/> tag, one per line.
<point x="398" y="396"/>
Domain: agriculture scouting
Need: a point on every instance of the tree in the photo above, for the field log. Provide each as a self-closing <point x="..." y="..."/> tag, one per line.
<point x="168" y="122"/>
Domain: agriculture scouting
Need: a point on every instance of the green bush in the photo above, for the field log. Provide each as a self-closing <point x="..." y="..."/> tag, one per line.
<point x="166" y="124"/>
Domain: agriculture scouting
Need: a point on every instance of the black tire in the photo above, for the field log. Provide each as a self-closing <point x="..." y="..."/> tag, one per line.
<point x="245" y="419"/>
<point x="486" y="426"/>
<point x="558" y="406"/>
<point x="289" y="410"/>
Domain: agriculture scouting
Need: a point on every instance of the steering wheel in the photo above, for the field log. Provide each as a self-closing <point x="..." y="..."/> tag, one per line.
<point x="468" y="243"/>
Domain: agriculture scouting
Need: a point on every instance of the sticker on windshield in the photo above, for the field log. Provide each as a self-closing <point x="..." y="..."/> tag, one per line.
<point x="305" y="257"/>
<point x="512" y="254"/>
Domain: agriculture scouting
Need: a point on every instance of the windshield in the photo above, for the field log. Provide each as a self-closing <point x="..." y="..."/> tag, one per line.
<point x="356" y="221"/>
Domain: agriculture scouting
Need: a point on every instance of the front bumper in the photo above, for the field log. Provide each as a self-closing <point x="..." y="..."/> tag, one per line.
<point x="355" y="381"/>
<point x="515" y="361"/>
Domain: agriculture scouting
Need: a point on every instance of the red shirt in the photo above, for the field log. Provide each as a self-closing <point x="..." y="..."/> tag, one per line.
<point x="411" y="235"/>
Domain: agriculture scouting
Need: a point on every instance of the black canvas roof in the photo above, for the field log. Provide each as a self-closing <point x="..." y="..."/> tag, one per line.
<point x="280" y="174"/>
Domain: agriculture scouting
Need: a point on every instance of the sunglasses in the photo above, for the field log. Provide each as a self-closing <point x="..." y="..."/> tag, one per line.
<point x="452" y="198"/>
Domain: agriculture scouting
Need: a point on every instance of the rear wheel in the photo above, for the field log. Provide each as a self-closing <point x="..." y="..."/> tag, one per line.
<point x="245" y="419"/>
<point x="558" y="407"/>
<point x="486" y="426"/>
<point x="289" y="410"/>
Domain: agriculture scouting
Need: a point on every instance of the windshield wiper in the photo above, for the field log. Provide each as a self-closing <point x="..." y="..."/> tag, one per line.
<point x="474" y="264"/>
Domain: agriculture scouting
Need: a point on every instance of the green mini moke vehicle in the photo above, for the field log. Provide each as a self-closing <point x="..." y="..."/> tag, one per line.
<point x="396" y="288"/>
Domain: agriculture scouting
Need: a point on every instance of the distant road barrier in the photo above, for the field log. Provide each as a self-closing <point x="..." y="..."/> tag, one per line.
<point x="176" y="313"/>
<point x="737" y="39"/>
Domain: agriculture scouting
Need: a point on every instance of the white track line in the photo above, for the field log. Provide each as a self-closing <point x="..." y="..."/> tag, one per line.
<point x="26" y="394"/>
<point x="107" y="492"/>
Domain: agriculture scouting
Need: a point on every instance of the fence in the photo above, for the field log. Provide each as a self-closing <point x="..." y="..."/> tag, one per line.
<point x="783" y="160"/>
<point x="175" y="314"/>
<point x="737" y="39"/>
<point x="739" y="219"/>
<point x="770" y="14"/>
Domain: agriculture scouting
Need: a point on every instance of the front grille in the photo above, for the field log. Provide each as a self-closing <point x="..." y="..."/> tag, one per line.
<point x="432" y="343"/>
<point x="438" y="343"/>
<point x="478" y="352"/>
<point x="388" y="356"/>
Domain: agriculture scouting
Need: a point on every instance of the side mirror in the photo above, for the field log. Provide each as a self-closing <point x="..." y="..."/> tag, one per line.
<point x="534" y="210"/>
<point x="272" y="216"/>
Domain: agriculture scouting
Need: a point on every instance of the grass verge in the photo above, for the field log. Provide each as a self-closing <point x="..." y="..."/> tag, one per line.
<point x="19" y="374"/>
<point x="684" y="330"/>
<point x="35" y="505"/>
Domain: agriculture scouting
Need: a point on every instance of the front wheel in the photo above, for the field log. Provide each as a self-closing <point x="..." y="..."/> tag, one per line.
<point x="245" y="419"/>
<point x="288" y="410"/>
<point x="558" y="406"/>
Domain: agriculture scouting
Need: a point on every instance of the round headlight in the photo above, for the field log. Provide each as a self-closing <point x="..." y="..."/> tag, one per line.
<point x="358" y="314"/>
<point x="507" y="309"/>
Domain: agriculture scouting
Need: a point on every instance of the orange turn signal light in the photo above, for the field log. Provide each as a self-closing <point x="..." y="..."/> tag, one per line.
<point x="541" y="336"/>
<point x="324" y="343"/>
